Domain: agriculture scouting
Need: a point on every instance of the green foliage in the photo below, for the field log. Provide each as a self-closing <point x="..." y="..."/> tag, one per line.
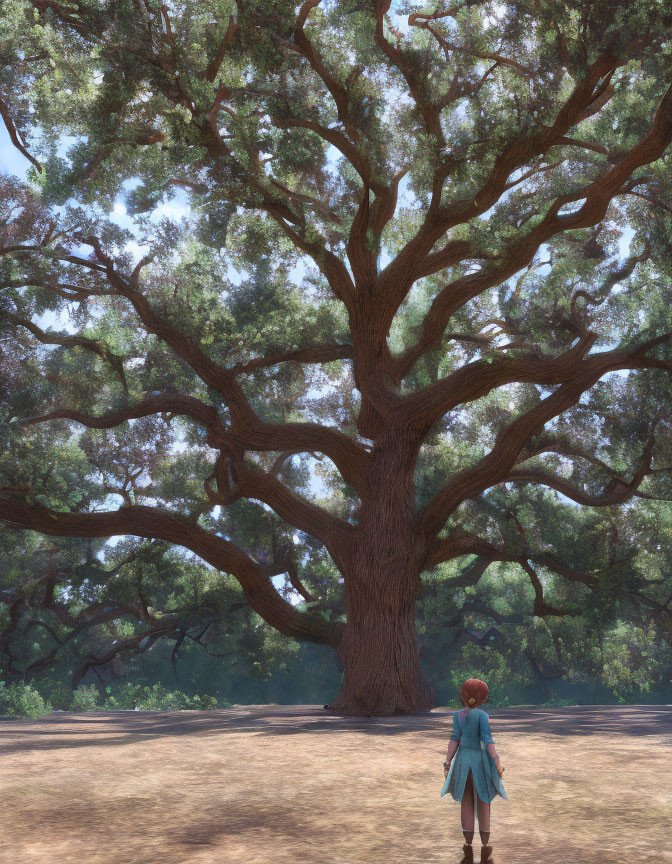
<point x="634" y="660"/>
<point x="56" y="692"/>
<point x="22" y="700"/>
<point x="157" y="698"/>
<point x="86" y="698"/>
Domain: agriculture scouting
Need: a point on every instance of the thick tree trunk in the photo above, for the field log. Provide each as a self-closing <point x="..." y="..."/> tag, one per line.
<point x="380" y="654"/>
<point x="379" y="650"/>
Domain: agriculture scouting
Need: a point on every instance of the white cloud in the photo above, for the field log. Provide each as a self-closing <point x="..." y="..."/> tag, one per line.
<point x="171" y="209"/>
<point x="57" y="321"/>
<point x="137" y="250"/>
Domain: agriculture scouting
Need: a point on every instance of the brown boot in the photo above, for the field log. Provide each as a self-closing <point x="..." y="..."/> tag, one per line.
<point x="468" y="857"/>
<point x="486" y="852"/>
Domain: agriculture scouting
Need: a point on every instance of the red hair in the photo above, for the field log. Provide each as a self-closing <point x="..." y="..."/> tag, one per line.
<point x="474" y="692"/>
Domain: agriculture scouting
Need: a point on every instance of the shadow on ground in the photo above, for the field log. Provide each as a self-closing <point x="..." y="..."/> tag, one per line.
<point x="69" y="729"/>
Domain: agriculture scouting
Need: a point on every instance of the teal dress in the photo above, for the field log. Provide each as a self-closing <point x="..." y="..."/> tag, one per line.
<point x="474" y="737"/>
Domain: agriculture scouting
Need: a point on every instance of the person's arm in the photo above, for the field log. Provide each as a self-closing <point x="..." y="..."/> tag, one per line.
<point x="493" y="753"/>
<point x="486" y="737"/>
<point x="453" y="744"/>
<point x="452" y="747"/>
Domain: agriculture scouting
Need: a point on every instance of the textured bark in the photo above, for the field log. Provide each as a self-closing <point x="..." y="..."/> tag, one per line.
<point x="380" y="652"/>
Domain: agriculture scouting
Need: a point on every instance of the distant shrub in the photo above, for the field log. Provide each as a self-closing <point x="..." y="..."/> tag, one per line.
<point x="86" y="698"/>
<point x="559" y="701"/>
<point x="22" y="700"/>
<point x="157" y="698"/>
<point x="57" y="693"/>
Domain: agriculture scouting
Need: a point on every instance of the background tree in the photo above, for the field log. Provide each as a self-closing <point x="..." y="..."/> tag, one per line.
<point x="85" y="624"/>
<point x="452" y="221"/>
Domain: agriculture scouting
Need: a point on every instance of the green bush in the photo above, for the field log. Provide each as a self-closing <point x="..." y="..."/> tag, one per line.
<point x="85" y="698"/>
<point x="55" y="692"/>
<point x="157" y="698"/>
<point x="559" y="701"/>
<point x="22" y="700"/>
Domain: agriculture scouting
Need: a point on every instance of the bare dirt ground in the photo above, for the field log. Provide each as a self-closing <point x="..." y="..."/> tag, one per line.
<point x="267" y="784"/>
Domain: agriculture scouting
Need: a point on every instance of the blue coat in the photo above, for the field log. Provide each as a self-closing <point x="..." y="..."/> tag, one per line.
<point x="474" y="737"/>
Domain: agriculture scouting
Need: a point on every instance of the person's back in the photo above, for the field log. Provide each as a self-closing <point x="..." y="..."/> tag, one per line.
<point x="470" y="724"/>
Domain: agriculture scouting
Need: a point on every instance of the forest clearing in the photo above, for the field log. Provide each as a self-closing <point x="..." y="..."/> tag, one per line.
<point x="293" y="783"/>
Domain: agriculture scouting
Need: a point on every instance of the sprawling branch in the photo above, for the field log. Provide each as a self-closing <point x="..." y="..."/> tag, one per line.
<point x="132" y="643"/>
<point x="42" y="596"/>
<point x="396" y="279"/>
<point x="173" y="403"/>
<point x="475" y="380"/>
<point x="460" y="543"/>
<point x="452" y="297"/>
<point x="540" y="605"/>
<point x="247" y="430"/>
<point x="68" y="341"/>
<point x="296" y="511"/>
<point x="330" y="265"/>
<point x="151" y="522"/>
<point x="419" y="20"/>
<point x="214" y="66"/>
<point x="335" y="137"/>
<point x="598" y="196"/>
<point x="563" y="446"/>
<point x="511" y="440"/>
<point x="314" y="354"/>
<point x="416" y="82"/>
<point x="616" y="492"/>
<point x="252" y="483"/>
<point x="338" y="92"/>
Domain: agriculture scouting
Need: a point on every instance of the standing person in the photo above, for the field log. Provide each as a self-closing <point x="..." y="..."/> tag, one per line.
<point x="474" y="777"/>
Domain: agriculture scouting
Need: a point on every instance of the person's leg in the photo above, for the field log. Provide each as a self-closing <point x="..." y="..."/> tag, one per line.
<point x="483" y="809"/>
<point x="468" y="809"/>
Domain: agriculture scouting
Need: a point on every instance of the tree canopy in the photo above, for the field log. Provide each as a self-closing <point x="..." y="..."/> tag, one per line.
<point x="426" y="252"/>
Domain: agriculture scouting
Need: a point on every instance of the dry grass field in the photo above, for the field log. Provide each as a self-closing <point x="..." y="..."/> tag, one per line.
<point x="270" y="784"/>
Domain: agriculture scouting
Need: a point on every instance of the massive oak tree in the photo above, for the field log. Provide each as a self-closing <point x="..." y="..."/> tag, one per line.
<point x="455" y="220"/>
